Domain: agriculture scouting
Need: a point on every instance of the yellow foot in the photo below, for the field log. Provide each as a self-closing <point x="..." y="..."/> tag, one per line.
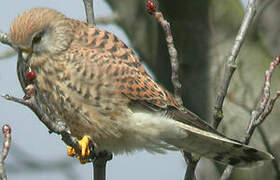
<point x="84" y="145"/>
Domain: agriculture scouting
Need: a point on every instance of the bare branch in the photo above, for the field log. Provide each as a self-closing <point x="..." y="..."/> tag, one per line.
<point x="5" y="39"/>
<point x="231" y="61"/>
<point x="192" y="163"/>
<point x="260" y="129"/>
<point x="6" y="129"/>
<point x="269" y="108"/>
<point x="99" y="161"/>
<point x="152" y="9"/>
<point x="54" y="125"/>
<point x="258" y="116"/>
<point x="37" y="102"/>
<point x="99" y="164"/>
<point x="89" y="11"/>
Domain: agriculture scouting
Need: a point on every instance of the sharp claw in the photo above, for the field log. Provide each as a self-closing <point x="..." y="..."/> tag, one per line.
<point x="84" y="145"/>
<point x="71" y="151"/>
<point x="83" y="161"/>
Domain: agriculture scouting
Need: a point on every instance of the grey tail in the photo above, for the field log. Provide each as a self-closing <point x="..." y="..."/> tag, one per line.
<point x="198" y="137"/>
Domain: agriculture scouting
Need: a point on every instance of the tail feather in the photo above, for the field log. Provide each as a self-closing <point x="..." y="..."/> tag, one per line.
<point x="217" y="147"/>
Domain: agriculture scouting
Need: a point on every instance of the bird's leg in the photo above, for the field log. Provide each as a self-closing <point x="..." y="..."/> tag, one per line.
<point x="85" y="145"/>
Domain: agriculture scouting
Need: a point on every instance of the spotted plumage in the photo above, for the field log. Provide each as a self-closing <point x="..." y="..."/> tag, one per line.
<point x="95" y="84"/>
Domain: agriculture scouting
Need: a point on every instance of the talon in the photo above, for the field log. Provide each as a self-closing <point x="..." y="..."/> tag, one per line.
<point x="84" y="145"/>
<point x="71" y="151"/>
<point x="83" y="161"/>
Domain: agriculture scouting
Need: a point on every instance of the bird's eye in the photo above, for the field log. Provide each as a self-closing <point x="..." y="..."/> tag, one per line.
<point x="37" y="38"/>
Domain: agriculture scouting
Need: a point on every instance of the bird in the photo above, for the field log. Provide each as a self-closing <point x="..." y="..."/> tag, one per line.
<point x="98" y="87"/>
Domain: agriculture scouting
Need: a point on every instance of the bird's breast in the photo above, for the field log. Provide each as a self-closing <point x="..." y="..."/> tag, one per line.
<point x="87" y="105"/>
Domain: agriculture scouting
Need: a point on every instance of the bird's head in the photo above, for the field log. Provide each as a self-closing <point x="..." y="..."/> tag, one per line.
<point x="41" y="31"/>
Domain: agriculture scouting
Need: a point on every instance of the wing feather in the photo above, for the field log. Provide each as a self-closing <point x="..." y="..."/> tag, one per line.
<point x="219" y="148"/>
<point x="118" y="64"/>
<point x="121" y="65"/>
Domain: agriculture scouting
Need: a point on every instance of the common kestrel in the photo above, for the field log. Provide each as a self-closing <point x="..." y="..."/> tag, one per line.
<point x="96" y="85"/>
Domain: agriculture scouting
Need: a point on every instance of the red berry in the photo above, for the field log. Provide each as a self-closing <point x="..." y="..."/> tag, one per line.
<point x="30" y="74"/>
<point x="151" y="6"/>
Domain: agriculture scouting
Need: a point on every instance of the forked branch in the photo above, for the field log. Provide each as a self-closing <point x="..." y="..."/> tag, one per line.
<point x="259" y="115"/>
<point x="230" y="65"/>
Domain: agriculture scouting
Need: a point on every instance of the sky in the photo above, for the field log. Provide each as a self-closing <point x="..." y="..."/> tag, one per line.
<point x="36" y="154"/>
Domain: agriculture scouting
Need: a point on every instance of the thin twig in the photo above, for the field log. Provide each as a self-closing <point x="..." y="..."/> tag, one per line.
<point x="6" y="129"/>
<point x="99" y="164"/>
<point x="5" y="39"/>
<point x="37" y="102"/>
<point x="99" y="160"/>
<point x="260" y="129"/>
<point x="152" y="9"/>
<point x="231" y="61"/>
<point x="192" y="163"/>
<point x="269" y="108"/>
<point x="258" y="116"/>
<point x="173" y="56"/>
<point x="54" y="125"/>
<point x="89" y="11"/>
